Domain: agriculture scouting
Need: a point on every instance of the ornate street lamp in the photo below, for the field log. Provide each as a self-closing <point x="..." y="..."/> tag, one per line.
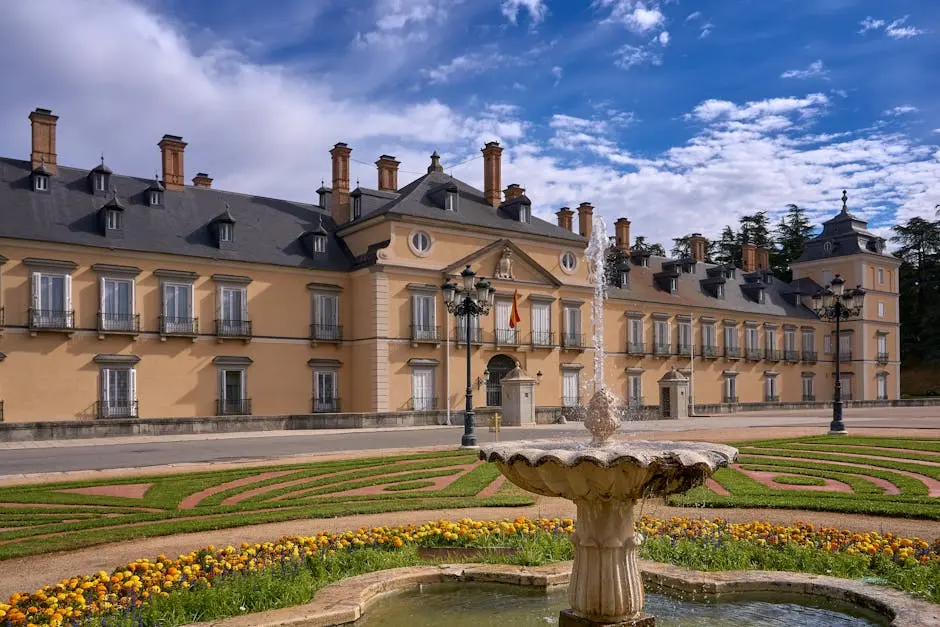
<point x="835" y="303"/>
<point x="468" y="301"/>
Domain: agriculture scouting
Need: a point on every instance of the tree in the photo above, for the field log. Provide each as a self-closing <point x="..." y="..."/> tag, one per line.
<point x="919" y="251"/>
<point x="728" y="248"/>
<point x="791" y="236"/>
<point x="754" y="230"/>
<point x="681" y="246"/>
<point x="639" y="244"/>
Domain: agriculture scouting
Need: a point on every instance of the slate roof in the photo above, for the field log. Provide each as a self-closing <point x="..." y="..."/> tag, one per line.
<point x="778" y="298"/>
<point x="267" y="230"/>
<point x="419" y="199"/>
<point x="845" y="234"/>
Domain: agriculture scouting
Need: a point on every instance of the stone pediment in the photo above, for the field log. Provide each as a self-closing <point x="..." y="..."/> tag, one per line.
<point x="503" y="260"/>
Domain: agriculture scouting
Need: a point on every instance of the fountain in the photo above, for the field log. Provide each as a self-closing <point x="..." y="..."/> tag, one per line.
<point x="606" y="479"/>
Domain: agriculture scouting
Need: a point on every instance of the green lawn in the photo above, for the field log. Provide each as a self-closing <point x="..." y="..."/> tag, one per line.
<point x="48" y="517"/>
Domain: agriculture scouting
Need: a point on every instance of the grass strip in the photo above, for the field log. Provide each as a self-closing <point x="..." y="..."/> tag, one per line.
<point x="928" y="471"/>
<point x="909" y="486"/>
<point x="408" y="485"/>
<point x="859" y="450"/>
<point x="799" y="480"/>
<point x="858" y="484"/>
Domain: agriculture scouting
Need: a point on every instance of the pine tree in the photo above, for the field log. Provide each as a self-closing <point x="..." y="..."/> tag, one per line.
<point x="727" y="249"/>
<point x="639" y="244"/>
<point x="790" y="235"/>
<point x="681" y="247"/>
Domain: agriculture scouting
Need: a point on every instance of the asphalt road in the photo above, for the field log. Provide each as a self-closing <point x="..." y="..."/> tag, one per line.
<point x="66" y="456"/>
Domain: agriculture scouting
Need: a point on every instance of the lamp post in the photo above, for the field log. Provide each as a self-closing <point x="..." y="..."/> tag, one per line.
<point x="834" y="304"/>
<point x="470" y="300"/>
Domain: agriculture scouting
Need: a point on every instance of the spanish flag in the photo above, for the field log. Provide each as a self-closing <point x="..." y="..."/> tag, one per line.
<point x="514" y="317"/>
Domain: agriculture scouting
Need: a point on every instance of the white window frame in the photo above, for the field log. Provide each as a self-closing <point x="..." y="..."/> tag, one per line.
<point x="114" y="220"/>
<point x="226" y="232"/>
<point x="636" y="331"/>
<point x="881" y="309"/>
<point x="502" y="313"/>
<point x="708" y="336"/>
<point x="525" y="213"/>
<point x="789" y="340"/>
<point x="685" y="334"/>
<point x="41" y="183"/>
<point x="319" y="243"/>
<point x="58" y="314"/>
<point x="356" y="208"/>
<point x="881" y="386"/>
<point x="99" y="183"/>
<point x="564" y="259"/>
<point x="424" y="316"/>
<point x="108" y="322"/>
<point x="571" y="314"/>
<point x="540" y="314"/>
<point x="450" y="201"/>
<point x="420" y="242"/>
<point x="808" y="339"/>
<point x="661" y="334"/>
<point x="324" y="314"/>
<point x="808" y="387"/>
<point x="845" y="344"/>
<point x="827" y="344"/>
<point x="847" y="387"/>
<point x="881" y="276"/>
<point x="322" y="375"/>
<point x="421" y="398"/>
<point x="635" y="390"/>
<point x="751" y="339"/>
<point x="770" y="388"/>
<point x="461" y="330"/>
<point x="731" y="388"/>
<point x="177" y="323"/>
<point x="882" y="340"/>
<point x="154" y="198"/>
<point x="113" y="406"/>
<point x="570" y="383"/>
<point x="731" y="336"/>
<point x="242" y="384"/>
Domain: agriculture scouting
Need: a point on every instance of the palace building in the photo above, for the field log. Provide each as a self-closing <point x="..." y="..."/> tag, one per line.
<point x="125" y="297"/>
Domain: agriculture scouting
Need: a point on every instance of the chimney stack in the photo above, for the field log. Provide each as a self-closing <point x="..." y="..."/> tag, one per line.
<point x="748" y="257"/>
<point x="43" y="125"/>
<point x="388" y="173"/>
<point x="564" y="218"/>
<point x="339" y="203"/>
<point x="435" y="163"/>
<point x="513" y="191"/>
<point x="585" y="219"/>
<point x="622" y="231"/>
<point x="763" y="258"/>
<point x="697" y="245"/>
<point x="171" y="152"/>
<point x="492" y="173"/>
<point x="202" y="180"/>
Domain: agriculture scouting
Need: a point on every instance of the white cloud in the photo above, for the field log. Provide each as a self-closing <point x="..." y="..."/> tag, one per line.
<point x="901" y="110"/>
<point x="537" y="9"/>
<point x="693" y="16"/>
<point x="898" y="29"/>
<point x="815" y="70"/>
<point x="707" y="28"/>
<point x="636" y="15"/>
<point x="557" y="72"/>
<point x="400" y="22"/>
<point x="627" y="56"/>
<point x="463" y="66"/>
<point x="664" y="38"/>
<point x="870" y="23"/>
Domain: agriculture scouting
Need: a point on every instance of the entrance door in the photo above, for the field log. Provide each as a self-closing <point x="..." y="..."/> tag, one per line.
<point x="498" y="367"/>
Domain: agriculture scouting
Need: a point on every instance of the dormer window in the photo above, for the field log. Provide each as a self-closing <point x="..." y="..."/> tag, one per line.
<point x="760" y="296"/>
<point x="450" y="199"/>
<point x="644" y="262"/>
<point x="155" y="193"/>
<point x="226" y="231"/>
<point x="319" y="243"/>
<point x="114" y="220"/>
<point x="40" y="183"/>
<point x="356" y="209"/>
<point x="720" y="290"/>
<point x="525" y="213"/>
<point x="100" y="183"/>
<point x="100" y="178"/>
<point x="673" y="286"/>
<point x="155" y="198"/>
<point x="323" y="195"/>
<point x="224" y="228"/>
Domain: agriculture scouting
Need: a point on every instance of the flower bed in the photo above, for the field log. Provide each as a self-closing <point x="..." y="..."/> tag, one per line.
<point x="121" y="597"/>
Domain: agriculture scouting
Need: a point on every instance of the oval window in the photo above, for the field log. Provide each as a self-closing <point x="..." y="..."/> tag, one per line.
<point x="421" y="241"/>
<point x="568" y="261"/>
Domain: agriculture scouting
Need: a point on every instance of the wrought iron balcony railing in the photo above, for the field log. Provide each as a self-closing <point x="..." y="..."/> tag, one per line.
<point x="790" y="355"/>
<point x="326" y="332"/>
<point x="507" y="337"/>
<point x="752" y="354"/>
<point x="233" y="328"/>
<point x="809" y="398"/>
<point x="542" y="338"/>
<point x="882" y="358"/>
<point x="119" y="408"/>
<point x="128" y="324"/>
<point x="729" y="399"/>
<point x="773" y="354"/>
<point x="660" y="348"/>
<point x="845" y="355"/>
<point x="326" y="405"/>
<point x="51" y="319"/>
<point x="572" y="340"/>
<point x="685" y="349"/>
<point x="423" y="403"/>
<point x="810" y="357"/>
<point x="709" y="351"/>
<point x="733" y="352"/>
<point x="570" y="401"/>
<point x="635" y="348"/>
<point x="476" y="335"/>
<point x="233" y="407"/>
<point x="772" y="398"/>
<point x="425" y="333"/>
<point x="174" y="325"/>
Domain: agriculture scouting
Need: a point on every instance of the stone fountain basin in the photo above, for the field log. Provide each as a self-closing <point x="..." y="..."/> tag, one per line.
<point x="622" y="470"/>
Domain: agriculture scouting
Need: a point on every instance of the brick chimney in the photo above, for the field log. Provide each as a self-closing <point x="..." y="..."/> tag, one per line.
<point x="202" y="180"/>
<point x="763" y="259"/>
<point x="43" y="151"/>
<point x="748" y="257"/>
<point x="697" y="246"/>
<point x="492" y="173"/>
<point x="388" y="173"/>
<point x="513" y="191"/>
<point x="171" y="152"/>
<point x="339" y="205"/>
<point x="622" y="231"/>
<point x="585" y="219"/>
<point x="564" y="218"/>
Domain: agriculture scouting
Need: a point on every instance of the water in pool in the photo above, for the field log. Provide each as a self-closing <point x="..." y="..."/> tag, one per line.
<point x="486" y="605"/>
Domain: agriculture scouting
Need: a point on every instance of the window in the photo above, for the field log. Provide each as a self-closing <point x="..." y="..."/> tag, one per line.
<point x="422" y="389"/>
<point x="789" y="341"/>
<point x="635" y="390"/>
<point x="40" y="183"/>
<point x="720" y="290"/>
<point x="52" y="301"/>
<point x="685" y="338"/>
<point x="751" y="339"/>
<point x="572" y="317"/>
<point x="100" y="183"/>
<point x="708" y="336"/>
<point x="846" y="387"/>
<point x="541" y="324"/>
<point x="233" y="311"/>
<point x="325" y="397"/>
<point x="155" y="198"/>
<point x="114" y="220"/>
<point x="450" y="201"/>
<point x="118" y="396"/>
<point x="882" y="345"/>
<point x="568" y="261"/>
<point x="319" y="243"/>
<point x="504" y="335"/>
<point x="827" y="344"/>
<point x="475" y="334"/>
<point x="809" y="340"/>
<point x="881" y="276"/>
<point x="178" y="308"/>
<point x="845" y="346"/>
<point x="881" y="309"/>
<point x="731" y="389"/>
<point x="525" y="213"/>
<point x="423" y="317"/>
<point x="570" y="388"/>
<point x="326" y="317"/>
<point x="731" y="337"/>
<point x="226" y="231"/>
<point x="117" y="305"/>
<point x="770" y="342"/>
<point x="808" y="392"/>
<point x="770" y="389"/>
<point x="233" y="400"/>
<point x="636" y="332"/>
<point x="661" y="337"/>
<point x="673" y="286"/>
<point x="420" y="242"/>
<point x="356" y="208"/>
<point x="882" y="385"/>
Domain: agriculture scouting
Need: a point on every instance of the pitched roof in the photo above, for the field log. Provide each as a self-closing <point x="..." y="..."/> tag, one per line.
<point x="845" y="234"/>
<point x="267" y="230"/>
<point x="417" y="199"/>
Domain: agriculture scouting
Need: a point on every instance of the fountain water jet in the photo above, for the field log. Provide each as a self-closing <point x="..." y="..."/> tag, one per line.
<point x="605" y="479"/>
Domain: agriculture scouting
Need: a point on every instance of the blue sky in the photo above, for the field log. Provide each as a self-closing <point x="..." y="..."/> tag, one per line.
<point x="679" y="115"/>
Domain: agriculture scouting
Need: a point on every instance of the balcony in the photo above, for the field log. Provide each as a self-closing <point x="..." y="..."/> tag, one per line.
<point x="729" y="399"/>
<point x="732" y="352"/>
<point x="507" y="337"/>
<point x="326" y="405"/>
<point x="845" y="354"/>
<point x="572" y="340"/>
<point x="542" y="339"/>
<point x="684" y="349"/>
<point x="809" y="398"/>
<point x="234" y="329"/>
<point x="810" y="357"/>
<point x="752" y="354"/>
<point x="571" y="401"/>
<point x="422" y="333"/>
<point x="773" y="354"/>
<point x="882" y="358"/>
<point x="709" y="351"/>
<point x="233" y="407"/>
<point x="51" y="320"/>
<point x="773" y="398"/>
<point x="120" y="408"/>
<point x="635" y="348"/>
<point x="790" y="355"/>
<point x="175" y="326"/>
<point x="423" y="403"/>
<point x="118" y="324"/>
<point x="661" y="349"/>
<point x="476" y="335"/>
<point x="326" y="333"/>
